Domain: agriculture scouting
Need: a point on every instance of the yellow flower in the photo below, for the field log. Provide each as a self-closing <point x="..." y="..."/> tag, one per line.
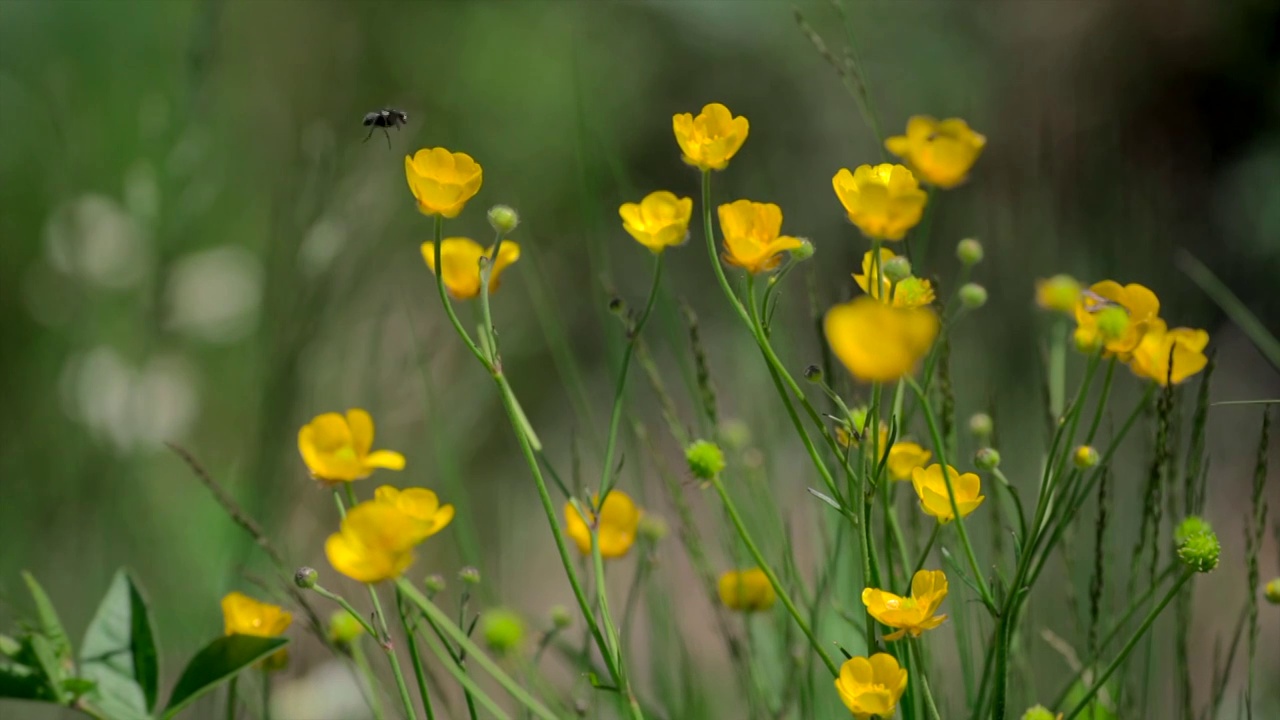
<point x="878" y="342"/>
<point x="751" y="239"/>
<point x="338" y="449"/>
<point x="709" y="140"/>
<point x="871" y="686"/>
<point x="1184" y="345"/>
<point x="659" y="221"/>
<point x="940" y="152"/>
<point x="374" y="543"/>
<point x="242" y="615"/>
<point x="913" y="614"/>
<point x="884" y="201"/>
<point x="619" y="519"/>
<point x="420" y="504"/>
<point x="461" y="260"/>
<point x="931" y="487"/>
<point x="1094" y="326"/>
<point x="905" y="457"/>
<point x="442" y="181"/>
<point x="1060" y="293"/>
<point x="746" y="590"/>
<point x="909" y="293"/>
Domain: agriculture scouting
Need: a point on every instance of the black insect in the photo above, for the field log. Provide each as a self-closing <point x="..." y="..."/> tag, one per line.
<point x="385" y="118"/>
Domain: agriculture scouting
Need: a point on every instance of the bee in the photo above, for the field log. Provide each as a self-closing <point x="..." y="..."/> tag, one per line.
<point x="384" y="118"/>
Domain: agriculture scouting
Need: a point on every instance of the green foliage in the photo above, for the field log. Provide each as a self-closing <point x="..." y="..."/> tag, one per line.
<point x="216" y="663"/>
<point x="119" y="651"/>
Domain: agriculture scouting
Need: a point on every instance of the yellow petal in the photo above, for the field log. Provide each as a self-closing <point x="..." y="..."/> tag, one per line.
<point x="360" y="425"/>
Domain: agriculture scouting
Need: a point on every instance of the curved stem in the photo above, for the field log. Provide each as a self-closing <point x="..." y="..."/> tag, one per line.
<point x="924" y="554"/>
<point x="448" y="305"/>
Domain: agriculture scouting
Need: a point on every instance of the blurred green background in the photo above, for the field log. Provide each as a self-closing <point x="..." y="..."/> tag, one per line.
<point x="196" y="247"/>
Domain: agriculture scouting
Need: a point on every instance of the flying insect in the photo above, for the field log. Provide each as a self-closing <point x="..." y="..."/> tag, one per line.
<point x="384" y="118"/>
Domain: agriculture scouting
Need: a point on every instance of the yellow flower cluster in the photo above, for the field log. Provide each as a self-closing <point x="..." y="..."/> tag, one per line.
<point x="616" y="526"/>
<point x="338" y="448"/>
<point x="909" y="292"/>
<point x="871" y="686"/>
<point x="910" y="615"/>
<point x="746" y="590"/>
<point x="931" y="487"/>
<point x="243" y="615"/>
<point x="376" y="539"/>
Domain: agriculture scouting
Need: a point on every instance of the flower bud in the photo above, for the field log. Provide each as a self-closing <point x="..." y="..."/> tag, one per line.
<point x="652" y="527"/>
<point x="305" y="578"/>
<point x="1191" y="526"/>
<point x="803" y="252"/>
<point x="1198" y="546"/>
<point x="736" y="434"/>
<point x="705" y="459"/>
<point x="503" y="219"/>
<point x="469" y="575"/>
<point x="896" y="268"/>
<point x="502" y="630"/>
<point x="560" y="617"/>
<point x="1039" y="712"/>
<point x="969" y="251"/>
<point x="813" y="373"/>
<point x="1085" y="457"/>
<point x="973" y="296"/>
<point x="981" y="426"/>
<point x="434" y="584"/>
<point x="987" y="459"/>
<point x="344" y="628"/>
<point x="1273" y="591"/>
<point x="1059" y="293"/>
<point x="1113" y="323"/>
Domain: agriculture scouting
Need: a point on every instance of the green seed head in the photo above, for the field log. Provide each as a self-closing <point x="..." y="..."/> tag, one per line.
<point x="969" y="251"/>
<point x="502" y="630"/>
<point x="973" y="296"/>
<point x="503" y="218"/>
<point x="705" y="459"/>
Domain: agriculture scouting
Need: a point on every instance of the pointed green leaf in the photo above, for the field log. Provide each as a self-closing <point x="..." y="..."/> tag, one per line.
<point x="218" y="662"/>
<point x="50" y="625"/>
<point x="119" y="650"/>
<point x="47" y="662"/>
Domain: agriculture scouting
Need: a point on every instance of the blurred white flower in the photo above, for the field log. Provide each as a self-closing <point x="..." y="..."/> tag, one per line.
<point x="327" y="691"/>
<point x="322" y="244"/>
<point x="94" y="238"/>
<point x="132" y="409"/>
<point x="214" y="295"/>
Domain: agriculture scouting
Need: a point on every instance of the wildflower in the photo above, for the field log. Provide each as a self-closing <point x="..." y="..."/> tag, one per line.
<point x="972" y="296"/>
<point x="617" y="524"/>
<point x="931" y="487"/>
<point x="1273" y="591"/>
<point x="1085" y="457"/>
<point x="904" y="457"/>
<point x="1040" y="712"/>
<point x="913" y="614"/>
<point x="1197" y="545"/>
<point x="884" y="201"/>
<point x="871" y="686"/>
<point x="906" y="292"/>
<point x="1060" y="293"/>
<point x="242" y="615"/>
<point x="1095" y="327"/>
<point x="877" y="342"/>
<point x="344" y="628"/>
<point x="442" y="181"/>
<point x="803" y="251"/>
<point x="652" y="528"/>
<point x="1184" y="347"/>
<point x="659" y="221"/>
<point x="969" y="252"/>
<point x="460" y="258"/>
<point x="711" y="139"/>
<point x="374" y="543"/>
<point x="746" y="590"/>
<point x="705" y="459"/>
<point x="987" y="459"/>
<point x="502" y="630"/>
<point x="503" y="218"/>
<point x="421" y="505"/>
<point x="751" y="239"/>
<point x="941" y="152"/>
<point x="338" y="449"/>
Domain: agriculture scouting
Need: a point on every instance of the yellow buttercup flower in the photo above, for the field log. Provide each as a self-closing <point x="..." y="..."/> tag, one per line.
<point x="243" y="615"/>
<point x="339" y="449"/>
<point x="374" y="543"/>
<point x="940" y="152"/>
<point x="884" y="201"/>
<point x="619" y="519"/>
<point x="709" y="140"/>
<point x="442" y="181"/>
<point x="1060" y="293"/>
<point x="751" y="235"/>
<point x="659" y="221"/>
<point x="460" y="258"/>
<point x="878" y="342"/>
<point x="910" y="292"/>
<point x="904" y="457"/>
<point x="871" y="686"/>
<point x="1185" y="346"/>
<point x="931" y="487"/>
<point x="1106" y="302"/>
<point x="746" y="590"/>
<point x="420" y="504"/>
<point x="913" y="614"/>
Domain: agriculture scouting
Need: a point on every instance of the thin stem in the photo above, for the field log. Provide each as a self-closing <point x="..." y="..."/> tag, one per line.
<point x="1057" y="366"/>
<point x="418" y="671"/>
<point x="346" y="606"/>
<point x="266" y="696"/>
<point x="370" y="683"/>
<point x="444" y="298"/>
<point x="231" y="697"/>
<point x="711" y="249"/>
<point x="611" y="630"/>
<point x="469" y="685"/>
<point x="778" y="589"/>
<point x="924" y="554"/>
<point x="913" y="648"/>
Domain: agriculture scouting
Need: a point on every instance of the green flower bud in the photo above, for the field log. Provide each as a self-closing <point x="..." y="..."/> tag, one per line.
<point x="652" y="527"/>
<point x="560" y="617"/>
<point x="969" y="251"/>
<point x="1039" y="712"/>
<point x="502" y="630"/>
<point x="813" y="373"/>
<point x="858" y="416"/>
<point x="981" y="426"/>
<point x="1198" y="546"/>
<point x="705" y="459"/>
<point x="1273" y="591"/>
<point x="987" y="459"/>
<point x="973" y="296"/>
<point x="344" y="628"/>
<point x="736" y="434"/>
<point x="434" y="584"/>
<point x="469" y="575"/>
<point x="305" y="578"/>
<point x="804" y="252"/>
<point x="1113" y="323"/>
<point x="503" y="219"/>
<point x="896" y="269"/>
<point x="1190" y="527"/>
<point x="1085" y="457"/>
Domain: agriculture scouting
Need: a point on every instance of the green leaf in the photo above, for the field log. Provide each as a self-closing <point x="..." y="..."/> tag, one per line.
<point x="218" y="662"/>
<point x="47" y="661"/>
<point x="22" y="682"/>
<point x="119" y="650"/>
<point x="50" y="625"/>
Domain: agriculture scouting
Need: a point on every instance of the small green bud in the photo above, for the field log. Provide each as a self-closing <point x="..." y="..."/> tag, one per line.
<point x="434" y="584"/>
<point x="1273" y="591"/>
<point x="813" y="373"/>
<point x="560" y="617"/>
<point x="1198" y="546"/>
<point x="502" y="630"/>
<point x="306" y="578"/>
<point x="503" y="219"/>
<point x="705" y="459"/>
<point x="652" y="527"/>
<point x="987" y="459"/>
<point x="1039" y="712"/>
<point x="1113" y="323"/>
<point x="896" y="269"/>
<point x="344" y="628"/>
<point x="804" y="252"/>
<point x="1085" y="457"/>
<point x="736" y="434"/>
<point x="973" y="296"/>
<point x="1190" y="527"/>
<point x="469" y="575"/>
<point x="969" y="251"/>
<point x="981" y="425"/>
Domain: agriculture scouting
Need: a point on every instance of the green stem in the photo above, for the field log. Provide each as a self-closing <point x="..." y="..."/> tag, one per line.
<point x="781" y="592"/>
<point x="1130" y="645"/>
<point x="266" y="696"/>
<point x="914" y="649"/>
<point x="346" y="606"/>
<point x="459" y="673"/>
<point x="231" y="697"/>
<point x="1057" y="366"/>
<point x="606" y="617"/>
<point x="489" y="337"/>
<point x="924" y="555"/>
<point x="418" y="671"/>
<point x="370" y="682"/>
<point x="448" y="306"/>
